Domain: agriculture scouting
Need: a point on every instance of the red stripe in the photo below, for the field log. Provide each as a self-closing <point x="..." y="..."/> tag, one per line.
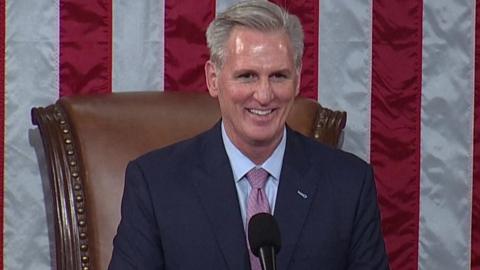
<point x="308" y="12"/>
<point x="395" y="120"/>
<point x="2" y="126"/>
<point x="85" y="47"/>
<point x="185" y="45"/>
<point x="476" y="152"/>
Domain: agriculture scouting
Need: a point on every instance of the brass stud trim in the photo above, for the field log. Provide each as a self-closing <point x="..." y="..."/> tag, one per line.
<point x="76" y="183"/>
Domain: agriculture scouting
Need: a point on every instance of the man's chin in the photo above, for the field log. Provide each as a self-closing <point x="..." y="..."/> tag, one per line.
<point x="264" y="139"/>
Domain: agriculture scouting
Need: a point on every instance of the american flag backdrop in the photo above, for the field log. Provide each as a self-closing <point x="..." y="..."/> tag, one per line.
<point x="405" y="71"/>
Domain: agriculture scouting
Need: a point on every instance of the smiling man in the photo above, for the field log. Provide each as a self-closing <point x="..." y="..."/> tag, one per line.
<point x="187" y="206"/>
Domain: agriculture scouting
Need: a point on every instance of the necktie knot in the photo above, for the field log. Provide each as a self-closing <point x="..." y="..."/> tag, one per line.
<point x="257" y="177"/>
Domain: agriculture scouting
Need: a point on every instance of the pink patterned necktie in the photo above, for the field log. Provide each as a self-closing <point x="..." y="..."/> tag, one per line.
<point x="257" y="202"/>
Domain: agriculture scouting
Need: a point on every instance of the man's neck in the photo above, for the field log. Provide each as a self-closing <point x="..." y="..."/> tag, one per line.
<point x="258" y="152"/>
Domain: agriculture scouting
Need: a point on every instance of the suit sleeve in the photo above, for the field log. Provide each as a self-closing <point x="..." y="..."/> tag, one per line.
<point x="137" y="244"/>
<point x="367" y="248"/>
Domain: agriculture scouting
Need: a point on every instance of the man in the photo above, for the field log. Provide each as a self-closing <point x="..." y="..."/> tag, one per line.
<point x="187" y="206"/>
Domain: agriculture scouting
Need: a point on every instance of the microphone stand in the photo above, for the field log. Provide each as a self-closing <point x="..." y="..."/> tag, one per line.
<point x="266" y="255"/>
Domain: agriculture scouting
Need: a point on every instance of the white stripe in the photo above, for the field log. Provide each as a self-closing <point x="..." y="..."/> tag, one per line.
<point x="446" y="135"/>
<point x="345" y="67"/>
<point x="31" y="80"/>
<point x="222" y="5"/>
<point x="138" y="45"/>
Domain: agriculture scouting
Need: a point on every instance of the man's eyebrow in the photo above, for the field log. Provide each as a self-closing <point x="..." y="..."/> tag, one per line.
<point x="244" y="71"/>
<point x="286" y="71"/>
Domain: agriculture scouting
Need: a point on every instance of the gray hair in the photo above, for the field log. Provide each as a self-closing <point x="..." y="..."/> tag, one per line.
<point x="259" y="15"/>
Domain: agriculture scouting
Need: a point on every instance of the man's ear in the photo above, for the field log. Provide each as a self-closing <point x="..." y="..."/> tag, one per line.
<point x="299" y="79"/>
<point x="211" y="77"/>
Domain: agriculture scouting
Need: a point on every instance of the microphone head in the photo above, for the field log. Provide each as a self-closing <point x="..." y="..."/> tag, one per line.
<point x="263" y="232"/>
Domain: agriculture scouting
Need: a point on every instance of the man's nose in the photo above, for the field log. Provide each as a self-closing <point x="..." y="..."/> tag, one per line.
<point x="263" y="92"/>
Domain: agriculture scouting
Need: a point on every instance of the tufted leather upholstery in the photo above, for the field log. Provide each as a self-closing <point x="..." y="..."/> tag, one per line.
<point x="88" y="141"/>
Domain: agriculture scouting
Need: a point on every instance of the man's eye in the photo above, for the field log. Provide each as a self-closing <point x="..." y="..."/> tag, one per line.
<point x="279" y="76"/>
<point x="246" y="76"/>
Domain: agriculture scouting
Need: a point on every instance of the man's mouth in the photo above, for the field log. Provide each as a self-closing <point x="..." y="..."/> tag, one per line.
<point x="260" y="112"/>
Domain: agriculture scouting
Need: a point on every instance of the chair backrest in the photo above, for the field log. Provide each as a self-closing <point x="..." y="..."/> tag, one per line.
<point x="88" y="141"/>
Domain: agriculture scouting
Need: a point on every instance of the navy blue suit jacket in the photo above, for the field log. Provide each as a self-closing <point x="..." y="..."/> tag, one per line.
<point x="180" y="210"/>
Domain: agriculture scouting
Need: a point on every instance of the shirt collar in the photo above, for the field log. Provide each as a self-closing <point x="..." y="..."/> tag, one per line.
<point x="241" y="164"/>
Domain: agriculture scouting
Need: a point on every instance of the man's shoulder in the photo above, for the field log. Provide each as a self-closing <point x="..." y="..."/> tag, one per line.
<point x="320" y="153"/>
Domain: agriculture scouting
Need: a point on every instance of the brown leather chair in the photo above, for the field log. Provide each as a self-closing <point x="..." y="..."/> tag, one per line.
<point x="88" y="141"/>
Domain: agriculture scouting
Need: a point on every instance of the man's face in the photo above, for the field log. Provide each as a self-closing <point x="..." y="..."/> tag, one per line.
<point x="255" y="87"/>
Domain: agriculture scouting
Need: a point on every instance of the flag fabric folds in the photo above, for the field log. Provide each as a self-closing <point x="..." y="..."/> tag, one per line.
<point x="405" y="71"/>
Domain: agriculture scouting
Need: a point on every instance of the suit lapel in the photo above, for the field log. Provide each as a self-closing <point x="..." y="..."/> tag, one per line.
<point x="217" y="194"/>
<point x="294" y="197"/>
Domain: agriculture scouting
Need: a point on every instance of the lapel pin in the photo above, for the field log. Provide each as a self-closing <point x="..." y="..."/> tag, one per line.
<point x="303" y="195"/>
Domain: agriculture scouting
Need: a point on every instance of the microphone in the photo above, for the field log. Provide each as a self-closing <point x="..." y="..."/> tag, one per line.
<point x="264" y="239"/>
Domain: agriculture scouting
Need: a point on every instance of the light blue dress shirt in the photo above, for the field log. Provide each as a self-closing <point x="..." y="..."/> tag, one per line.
<point x="241" y="164"/>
